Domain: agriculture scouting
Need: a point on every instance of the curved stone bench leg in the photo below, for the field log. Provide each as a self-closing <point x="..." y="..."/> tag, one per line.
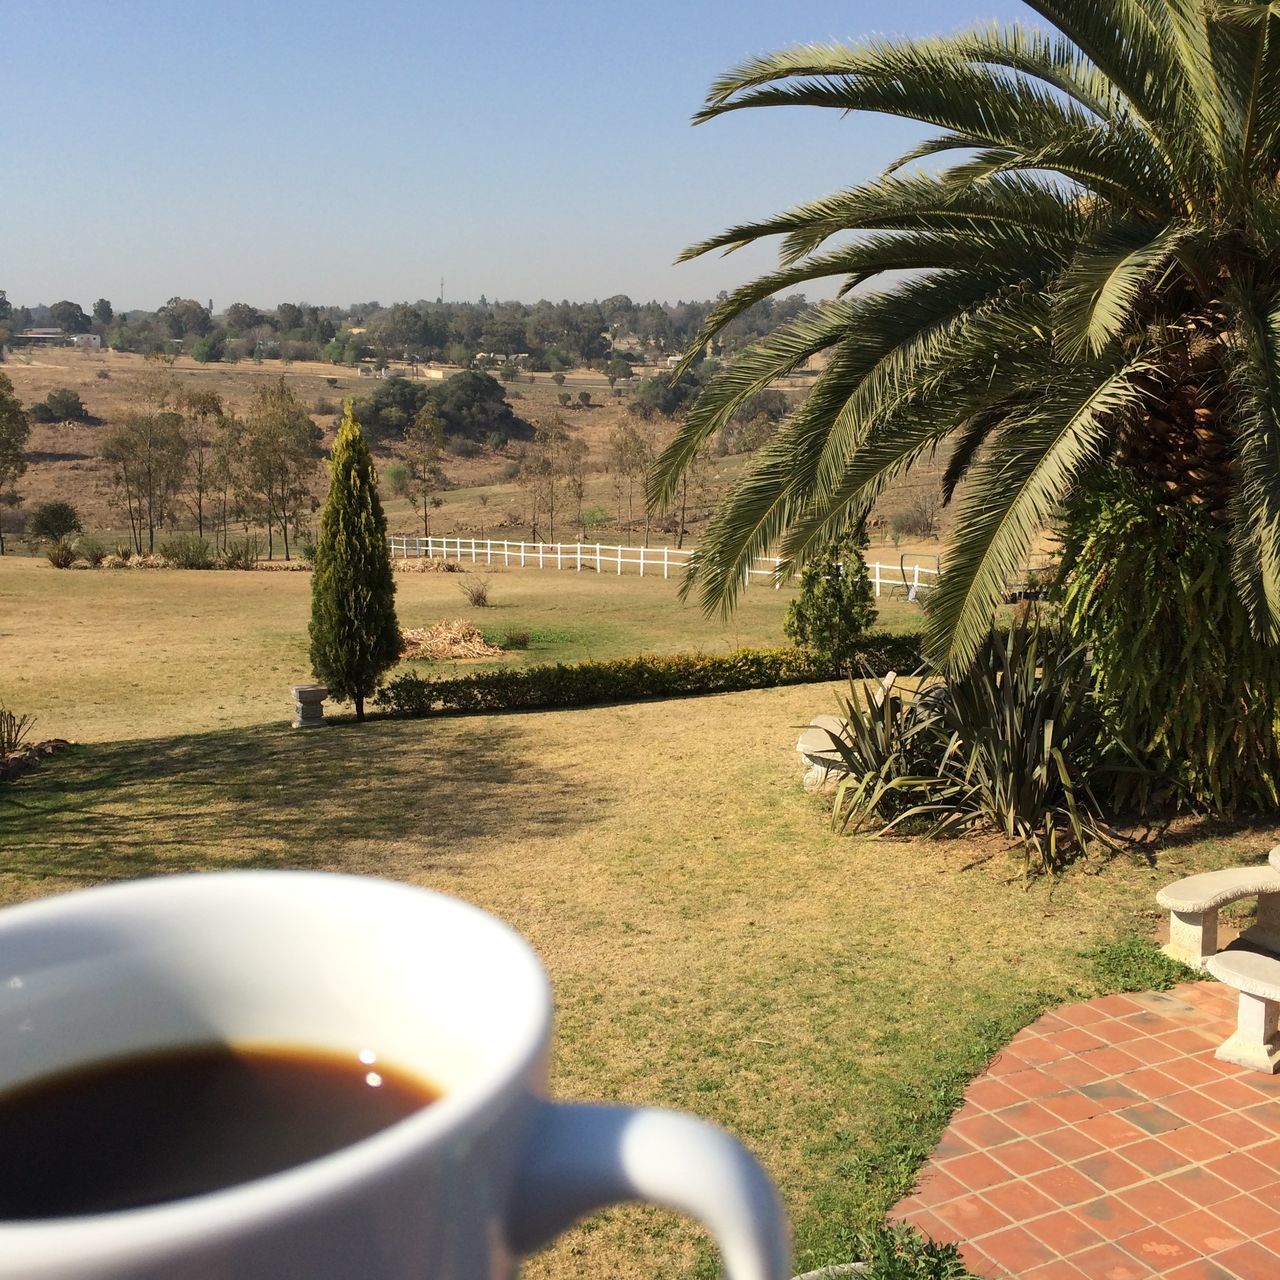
<point x="1193" y="935"/>
<point x="1253" y="1044"/>
<point x="1265" y="934"/>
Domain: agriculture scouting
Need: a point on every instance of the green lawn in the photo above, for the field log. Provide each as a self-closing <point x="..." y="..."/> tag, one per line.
<point x="713" y="946"/>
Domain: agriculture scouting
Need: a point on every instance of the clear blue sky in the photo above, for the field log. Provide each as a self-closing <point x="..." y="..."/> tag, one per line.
<point x="307" y="150"/>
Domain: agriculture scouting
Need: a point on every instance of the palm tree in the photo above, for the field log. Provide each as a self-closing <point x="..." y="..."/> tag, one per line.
<point x="1091" y="280"/>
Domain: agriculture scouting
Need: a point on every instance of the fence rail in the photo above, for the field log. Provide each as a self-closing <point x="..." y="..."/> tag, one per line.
<point x="912" y="580"/>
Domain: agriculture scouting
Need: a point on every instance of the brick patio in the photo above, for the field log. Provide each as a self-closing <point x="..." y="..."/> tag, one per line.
<point x="1107" y="1142"/>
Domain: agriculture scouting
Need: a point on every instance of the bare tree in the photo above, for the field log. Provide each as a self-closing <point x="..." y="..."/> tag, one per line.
<point x="423" y="439"/>
<point x="203" y="418"/>
<point x="280" y="450"/>
<point x="146" y="455"/>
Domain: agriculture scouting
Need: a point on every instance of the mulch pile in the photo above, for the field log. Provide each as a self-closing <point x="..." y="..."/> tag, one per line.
<point x="455" y="639"/>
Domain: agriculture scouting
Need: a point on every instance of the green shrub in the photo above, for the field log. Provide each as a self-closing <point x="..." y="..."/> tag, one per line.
<point x="514" y="639"/>
<point x="584" y="684"/>
<point x="1178" y="671"/>
<point x="241" y="555"/>
<point x="1134" y="963"/>
<point x="1013" y="744"/>
<point x="901" y="1253"/>
<point x="62" y="554"/>
<point x="187" y="551"/>
<point x="52" y="521"/>
<point x="835" y="605"/>
<point x="91" y="551"/>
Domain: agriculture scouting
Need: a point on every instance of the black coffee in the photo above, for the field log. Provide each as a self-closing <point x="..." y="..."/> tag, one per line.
<point x="164" y="1126"/>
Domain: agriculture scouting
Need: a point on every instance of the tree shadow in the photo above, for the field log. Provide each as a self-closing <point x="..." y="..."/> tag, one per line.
<point x="390" y="796"/>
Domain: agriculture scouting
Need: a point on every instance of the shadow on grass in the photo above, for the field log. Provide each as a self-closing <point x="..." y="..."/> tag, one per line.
<point x="388" y="796"/>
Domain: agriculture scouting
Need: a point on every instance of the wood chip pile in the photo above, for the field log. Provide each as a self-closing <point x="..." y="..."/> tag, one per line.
<point x="454" y="639"/>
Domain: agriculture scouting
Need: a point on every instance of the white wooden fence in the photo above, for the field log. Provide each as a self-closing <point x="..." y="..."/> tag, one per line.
<point x="911" y="580"/>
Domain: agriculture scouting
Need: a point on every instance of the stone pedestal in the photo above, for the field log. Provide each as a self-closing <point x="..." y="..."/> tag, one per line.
<point x="308" y="705"/>
<point x="1253" y="1044"/>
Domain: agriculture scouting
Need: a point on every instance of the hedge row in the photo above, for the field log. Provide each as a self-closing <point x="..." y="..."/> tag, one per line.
<point x="582" y="684"/>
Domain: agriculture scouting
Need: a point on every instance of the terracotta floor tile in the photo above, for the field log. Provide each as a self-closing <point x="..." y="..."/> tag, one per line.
<point x="971" y="1216"/>
<point x="1069" y="1145"/>
<point x="1266" y="1086"/>
<point x="1064" y="1186"/>
<point x="976" y="1171"/>
<point x="1029" y="1119"/>
<point x="1116" y="1006"/>
<point x="1110" y="1262"/>
<point x="1071" y="1107"/>
<point x="991" y="1094"/>
<point x="1153" y="1084"/>
<point x="1019" y="1201"/>
<point x="1200" y="1269"/>
<point x="1198" y="1143"/>
<point x="978" y="1264"/>
<point x="1036" y="1082"/>
<point x="1193" y="1104"/>
<point x="1268" y="1153"/>
<point x="1157" y="1156"/>
<point x="1110" y="1217"/>
<point x="1113" y="1094"/>
<point x="949" y="1146"/>
<point x="1190" y="1040"/>
<point x="1082" y="1015"/>
<point x="1271" y="1242"/>
<point x="1059" y="1269"/>
<point x="1238" y="1130"/>
<point x="1200" y="1188"/>
<point x="1196" y="1070"/>
<point x="1255" y="1216"/>
<point x="1157" y="1248"/>
<point x="1236" y="1094"/>
<point x="929" y="1224"/>
<point x="1153" y="1023"/>
<point x="1110" y="1171"/>
<point x="1024" y="1156"/>
<point x="933" y="1187"/>
<point x="1110" y="1131"/>
<point x="1152" y="1118"/>
<point x="1078" y="1039"/>
<point x="1015" y="1250"/>
<point x="1155" y="1201"/>
<point x="1064" y="1233"/>
<point x="1005" y="1063"/>
<point x="1041" y="1050"/>
<point x="1242" y="1171"/>
<point x="1072" y="1072"/>
<point x="1266" y="1114"/>
<point x="1249" y="1262"/>
<point x="1113" y="1062"/>
<point x="1126" y="1032"/>
<point x="983" y="1132"/>
<point x="1205" y="1232"/>
<point x="1156" y="1053"/>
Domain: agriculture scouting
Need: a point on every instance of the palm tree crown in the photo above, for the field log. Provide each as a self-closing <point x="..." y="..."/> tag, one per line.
<point x="1091" y="279"/>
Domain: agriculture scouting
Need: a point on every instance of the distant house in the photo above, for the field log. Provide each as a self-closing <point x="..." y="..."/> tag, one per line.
<point x="87" y="342"/>
<point x="39" y="338"/>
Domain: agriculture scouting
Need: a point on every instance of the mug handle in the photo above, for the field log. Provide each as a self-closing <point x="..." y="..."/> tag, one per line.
<point x="580" y="1158"/>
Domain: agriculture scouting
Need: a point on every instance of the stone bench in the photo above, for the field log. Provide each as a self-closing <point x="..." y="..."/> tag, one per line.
<point x="1257" y="978"/>
<point x="1193" y="905"/>
<point x="820" y="753"/>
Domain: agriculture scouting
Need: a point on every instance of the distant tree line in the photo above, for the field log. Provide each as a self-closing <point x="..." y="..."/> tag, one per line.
<point x="611" y="335"/>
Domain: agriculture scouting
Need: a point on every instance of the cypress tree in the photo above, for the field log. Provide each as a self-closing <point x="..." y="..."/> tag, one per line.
<point x="354" y="633"/>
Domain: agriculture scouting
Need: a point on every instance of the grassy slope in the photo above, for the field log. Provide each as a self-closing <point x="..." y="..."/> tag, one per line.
<point x="712" y="945"/>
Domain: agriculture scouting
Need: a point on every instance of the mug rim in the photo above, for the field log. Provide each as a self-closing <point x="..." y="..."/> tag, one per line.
<point x="302" y="1186"/>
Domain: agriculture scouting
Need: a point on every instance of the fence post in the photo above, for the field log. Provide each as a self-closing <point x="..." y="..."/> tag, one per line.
<point x="473" y="551"/>
<point x="540" y="545"/>
<point x="506" y="554"/>
<point x="666" y="562"/>
<point x="488" y="550"/>
<point x="559" y="550"/>
<point x="597" y="557"/>
<point x="876" y="576"/>
<point x="579" y="557"/>
<point x="642" y="551"/>
<point x="619" y="559"/>
<point x="777" y="580"/>
<point x="521" y="546"/>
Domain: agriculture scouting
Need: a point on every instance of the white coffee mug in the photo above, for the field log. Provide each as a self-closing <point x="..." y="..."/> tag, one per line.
<point x="456" y="1191"/>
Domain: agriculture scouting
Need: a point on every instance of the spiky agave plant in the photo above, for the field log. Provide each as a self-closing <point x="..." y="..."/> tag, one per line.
<point x="1092" y="279"/>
